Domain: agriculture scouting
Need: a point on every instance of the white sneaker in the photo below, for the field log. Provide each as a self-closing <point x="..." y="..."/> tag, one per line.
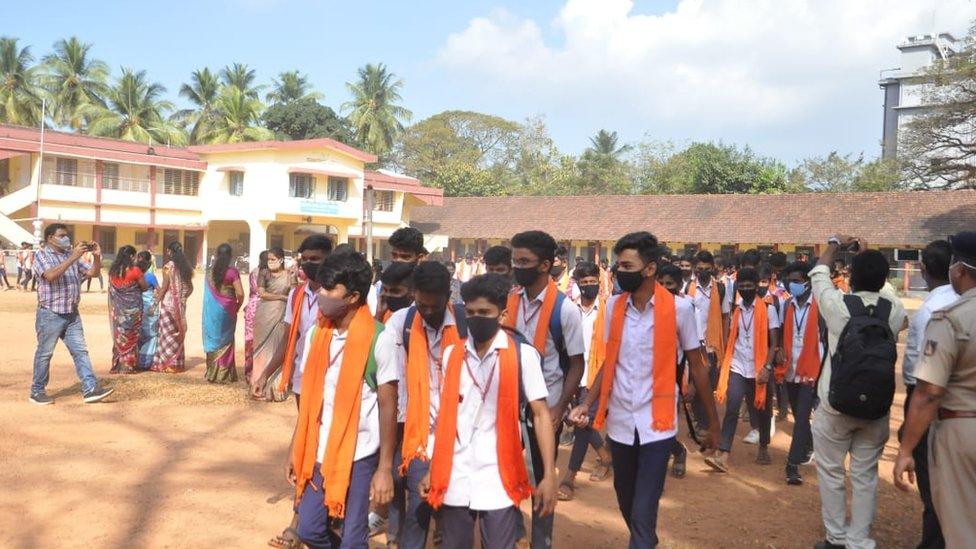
<point x="377" y="524"/>
<point x="772" y="430"/>
<point x="752" y="437"/>
<point x="809" y="459"/>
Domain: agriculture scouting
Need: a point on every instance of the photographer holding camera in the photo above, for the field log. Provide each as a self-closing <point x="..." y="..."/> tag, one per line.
<point x="59" y="272"/>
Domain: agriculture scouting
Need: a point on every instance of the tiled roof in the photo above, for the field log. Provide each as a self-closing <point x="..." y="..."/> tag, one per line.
<point x="387" y="181"/>
<point x="899" y="218"/>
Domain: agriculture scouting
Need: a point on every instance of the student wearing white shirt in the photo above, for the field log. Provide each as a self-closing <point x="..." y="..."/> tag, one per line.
<point x="644" y="326"/>
<point x="713" y="319"/>
<point x="747" y="367"/>
<point x="935" y="270"/>
<point x="407" y="246"/>
<point x="342" y="450"/>
<point x="687" y="266"/>
<point x="477" y="470"/>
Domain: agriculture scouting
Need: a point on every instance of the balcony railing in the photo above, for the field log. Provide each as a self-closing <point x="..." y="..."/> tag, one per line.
<point x="132" y="184"/>
<point x="68" y="179"/>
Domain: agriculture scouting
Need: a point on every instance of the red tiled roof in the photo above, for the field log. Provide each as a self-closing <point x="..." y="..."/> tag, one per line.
<point x="395" y="182"/>
<point x="23" y="139"/>
<point x="899" y="218"/>
<point x="322" y="142"/>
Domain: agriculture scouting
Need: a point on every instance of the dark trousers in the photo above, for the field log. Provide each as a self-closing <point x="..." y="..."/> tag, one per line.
<point x="498" y="528"/>
<point x="541" y="526"/>
<point x="585" y="437"/>
<point x="409" y="518"/>
<point x="696" y="406"/>
<point x="101" y="282"/>
<point x="801" y="402"/>
<point x="740" y="388"/>
<point x="931" y="530"/>
<point x="313" y="516"/>
<point x="638" y="478"/>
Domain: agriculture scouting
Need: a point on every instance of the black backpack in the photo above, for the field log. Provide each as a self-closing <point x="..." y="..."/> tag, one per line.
<point x="862" y="379"/>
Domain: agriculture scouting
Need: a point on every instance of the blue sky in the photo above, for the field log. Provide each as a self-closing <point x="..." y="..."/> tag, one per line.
<point x="792" y="78"/>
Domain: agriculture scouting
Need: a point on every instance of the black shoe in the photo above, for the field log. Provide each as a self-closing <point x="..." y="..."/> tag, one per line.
<point x="793" y="477"/>
<point x="762" y="456"/>
<point x="41" y="399"/>
<point x="827" y="545"/>
<point x="97" y="394"/>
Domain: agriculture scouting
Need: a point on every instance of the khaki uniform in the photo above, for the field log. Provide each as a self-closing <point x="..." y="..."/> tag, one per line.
<point x="949" y="361"/>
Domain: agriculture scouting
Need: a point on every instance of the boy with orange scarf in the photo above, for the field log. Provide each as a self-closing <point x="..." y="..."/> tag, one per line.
<point x="413" y="344"/>
<point x="803" y="332"/>
<point x="638" y="393"/>
<point x="342" y="450"/>
<point x="707" y="293"/>
<point x="477" y="470"/>
<point x="747" y="367"/>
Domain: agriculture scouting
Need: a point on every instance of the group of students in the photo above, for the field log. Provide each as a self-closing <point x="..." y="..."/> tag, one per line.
<point x="419" y="405"/>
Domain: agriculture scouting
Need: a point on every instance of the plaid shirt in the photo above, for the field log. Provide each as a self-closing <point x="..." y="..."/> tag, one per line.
<point x="62" y="295"/>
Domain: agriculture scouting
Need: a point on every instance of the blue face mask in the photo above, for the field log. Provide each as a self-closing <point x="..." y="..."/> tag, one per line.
<point x="797" y="289"/>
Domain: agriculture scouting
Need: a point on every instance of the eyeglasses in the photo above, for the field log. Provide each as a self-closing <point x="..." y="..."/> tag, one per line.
<point x="957" y="261"/>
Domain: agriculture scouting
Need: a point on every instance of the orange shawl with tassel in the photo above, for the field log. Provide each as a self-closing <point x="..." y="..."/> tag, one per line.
<point x="542" y="326"/>
<point x="760" y="351"/>
<point x="598" y="347"/>
<point x="664" y="362"/>
<point x="808" y="365"/>
<point x="714" y="339"/>
<point x="296" y="322"/>
<point x="340" y="449"/>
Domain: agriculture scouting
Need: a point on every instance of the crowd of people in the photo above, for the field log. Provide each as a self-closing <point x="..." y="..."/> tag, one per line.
<point x="432" y="396"/>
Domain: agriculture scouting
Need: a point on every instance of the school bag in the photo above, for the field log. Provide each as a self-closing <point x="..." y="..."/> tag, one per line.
<point x="862" y="379"/>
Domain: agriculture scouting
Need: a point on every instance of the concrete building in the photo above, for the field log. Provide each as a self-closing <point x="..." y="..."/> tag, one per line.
<point x="904" y="90"/>
<point x="251" y="195"/>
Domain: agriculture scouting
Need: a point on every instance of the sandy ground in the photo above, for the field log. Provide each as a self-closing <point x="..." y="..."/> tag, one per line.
<point x="170" y="461"/>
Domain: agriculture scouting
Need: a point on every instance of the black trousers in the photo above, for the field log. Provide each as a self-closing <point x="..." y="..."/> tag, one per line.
<point x="931" y="530"/>
<point x="801" y="401"/>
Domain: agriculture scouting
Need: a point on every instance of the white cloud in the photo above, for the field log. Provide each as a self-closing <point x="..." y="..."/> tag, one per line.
<point x="724" y="63"/>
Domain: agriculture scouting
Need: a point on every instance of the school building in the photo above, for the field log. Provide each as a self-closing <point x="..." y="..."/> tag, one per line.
<point x="795" y="224"/>
<point x="252" y="195"/>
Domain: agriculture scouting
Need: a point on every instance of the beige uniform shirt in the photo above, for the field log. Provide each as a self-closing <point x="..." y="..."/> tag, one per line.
<point x="949" y="353"/>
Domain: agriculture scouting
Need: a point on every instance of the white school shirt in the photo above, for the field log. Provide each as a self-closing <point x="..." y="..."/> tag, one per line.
<point x="703" y="302"/>
<point x="390" y="347"/>
<point x="588" y="320"/>
<point x="475" y="479"/>
<point x="629" y="407"/>
<point x="368" y="438"/>
<point x="743" y="356"/>
<point x="569" y="316"/>
<point x="310" y="313"/>
<point x="938" y="298"/>
<point x="801" y="317"/>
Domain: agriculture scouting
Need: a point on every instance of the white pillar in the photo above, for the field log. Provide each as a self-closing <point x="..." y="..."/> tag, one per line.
<point x="259" y="241"/>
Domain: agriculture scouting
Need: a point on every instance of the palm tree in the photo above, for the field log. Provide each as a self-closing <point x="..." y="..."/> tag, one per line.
<point x="203" y="91"/>
<point x="20" y="102"/>
<point x="73" y="79"/>
<point x="135" y="111"/>
<point x="604" y="144"/>
<point x="242" y="77"/>
<point x="239" y="115"/>
<point x="375" y="116"/>
<point x="291" y="85"/>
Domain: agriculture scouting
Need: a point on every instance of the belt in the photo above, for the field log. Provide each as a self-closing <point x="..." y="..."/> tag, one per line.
<point x="953" y="414"/>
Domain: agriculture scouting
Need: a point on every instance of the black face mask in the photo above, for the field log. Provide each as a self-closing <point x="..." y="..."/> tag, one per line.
<point x="686" y="273"/>
<point x="704" y="276"/>
<point x="589" y="291"/>
<point x="526" y="276"/>
<point x="310" y="269"/>
<point x="556" y="271"/>
<point x="394" y="304"/>
<point x="629" y="281"/>
<point x="761" y="291"/>
<point x="435" y="320"/>
<point x="748" y="295"/>
<point x="482" y="328"/>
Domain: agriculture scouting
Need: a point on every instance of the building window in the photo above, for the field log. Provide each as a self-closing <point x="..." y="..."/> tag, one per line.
<point x="236" y="183"/>
<point x="66" y="172"/>
<point x="301" y="185"/>
<point x="110" y="176"/>
<point x="106" y="239"/>
<point x="338" y="189"/>
<point x="181" y="182"/>
<point x="383" y="201"/>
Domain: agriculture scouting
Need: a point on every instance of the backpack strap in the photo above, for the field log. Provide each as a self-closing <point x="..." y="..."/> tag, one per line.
<point x="407" y="324"/>
<point x="460" y="320"/>
<point x="855" y="305"/>
<point x="882" y="311"/>
<point x="555" y="322"/>
<point x="369" y="376"/>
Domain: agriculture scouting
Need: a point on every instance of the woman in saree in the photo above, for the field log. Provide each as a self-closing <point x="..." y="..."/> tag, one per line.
<point x="249" y="310"/>
<point x="222" y="300"/>
<point x="174" y="289"/>
<point x="150" y="311"/>
<point x="270" y="335"/>
<point x="126" y="284"/>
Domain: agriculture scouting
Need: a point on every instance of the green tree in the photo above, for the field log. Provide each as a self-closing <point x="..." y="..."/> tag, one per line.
<point x="73" y="79"/>
<point x="20" y="101"/>
<point x="374" y="111"/>
<point x="306" y="118"/>
<point x="239" y="118"/>
<point x="202" y="91"/>
<point x="135" y="111"/>
<point x="605" y="144"/>
<point x="847" y="173"/>
<point x="242" y="77"/>
<point x="601" y="167"/>
<point x="291" y="86"/>
<point x="708" y="168"/>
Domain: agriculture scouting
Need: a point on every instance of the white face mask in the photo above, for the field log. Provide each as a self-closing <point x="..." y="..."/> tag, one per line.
<point x="64" y="242"/>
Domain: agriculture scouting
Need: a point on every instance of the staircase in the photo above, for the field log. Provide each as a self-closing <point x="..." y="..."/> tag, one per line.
<point x="10" y="203"/>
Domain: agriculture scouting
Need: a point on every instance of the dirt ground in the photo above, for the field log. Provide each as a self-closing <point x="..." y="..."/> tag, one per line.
<point x="170" y="461"/>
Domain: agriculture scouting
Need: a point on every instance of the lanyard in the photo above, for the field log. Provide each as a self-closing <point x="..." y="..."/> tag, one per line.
<point x="432" y="358"/>
<point x="491" y="375"/>
<point x="526" y="319"/>
<point x="799" y="320"/>
<point x="747" y="325"/>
